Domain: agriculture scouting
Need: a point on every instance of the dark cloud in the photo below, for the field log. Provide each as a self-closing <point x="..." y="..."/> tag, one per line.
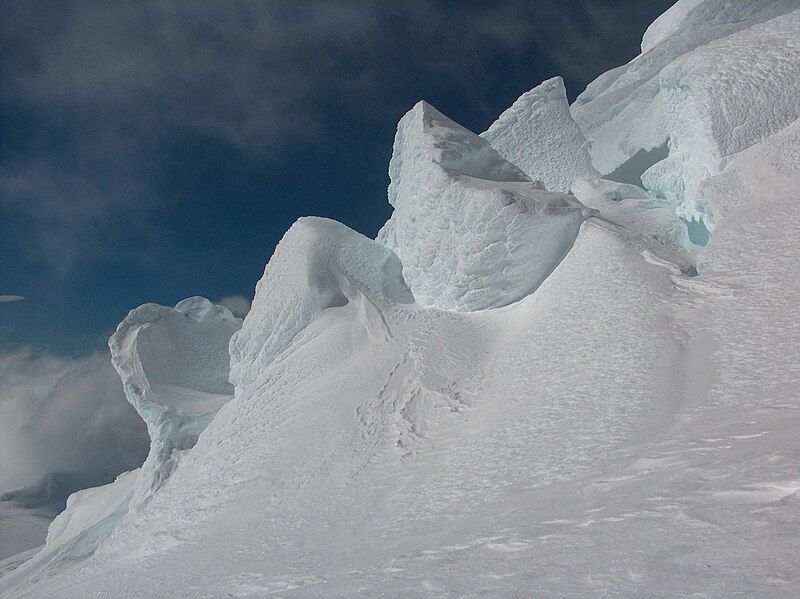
<point x="227" y="69"/>
<point x="102" y="89"/>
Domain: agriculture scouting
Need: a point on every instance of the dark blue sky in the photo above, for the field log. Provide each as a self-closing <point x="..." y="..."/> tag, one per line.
<point x="150" y="151"/>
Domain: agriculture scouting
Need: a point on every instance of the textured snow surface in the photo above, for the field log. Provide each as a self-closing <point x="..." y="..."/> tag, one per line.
<point x="615" y="427"/>
<point x="471" y="230"/>
<point x="538" y="135"/>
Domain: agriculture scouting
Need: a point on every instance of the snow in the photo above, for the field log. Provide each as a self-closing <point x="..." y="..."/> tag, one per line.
<point x="602" y="408"/>
<point x="713" y="79"/>
<point x="539" y="135"/>
<point x="174" y="364"/>
<point x="470" y="228"/>
<point x="636" y="210"/>
<point x="320" y="266"/>
<point x="668" y="24"/>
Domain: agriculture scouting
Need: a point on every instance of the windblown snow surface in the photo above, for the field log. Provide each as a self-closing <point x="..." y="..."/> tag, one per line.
<point x="513" y="391"/>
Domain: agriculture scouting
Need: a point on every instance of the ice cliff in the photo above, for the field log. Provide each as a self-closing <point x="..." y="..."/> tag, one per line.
<point x="539" y="135"/>
<point x="535" y="381"/>
<point x="470" y="228"/>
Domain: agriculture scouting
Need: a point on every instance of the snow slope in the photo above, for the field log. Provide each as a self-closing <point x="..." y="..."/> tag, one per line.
<point x="410" y="420"/>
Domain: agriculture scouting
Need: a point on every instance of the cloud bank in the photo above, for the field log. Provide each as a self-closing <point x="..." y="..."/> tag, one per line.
<point x="64" y="415"/>
<point x="4" y="299"/>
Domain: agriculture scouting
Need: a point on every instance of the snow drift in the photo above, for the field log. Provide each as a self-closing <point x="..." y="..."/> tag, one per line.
<point x="320" y="266"/>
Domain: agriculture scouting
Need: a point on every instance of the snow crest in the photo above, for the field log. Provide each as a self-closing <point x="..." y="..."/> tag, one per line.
<point x="174" y="365"/>
<point x="319" y="267"/>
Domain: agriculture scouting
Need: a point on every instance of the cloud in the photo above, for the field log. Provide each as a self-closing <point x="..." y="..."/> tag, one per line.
<point x="62" y="414"/>
<point x="240" y="71"/>
<point x="4" y="299"/>
<point x="95" y="95"/>
<point x="237" y="304"/>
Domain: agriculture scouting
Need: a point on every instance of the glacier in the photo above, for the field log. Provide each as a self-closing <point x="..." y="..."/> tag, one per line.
<point x="713" y="78"/>
<point x="532" y="383"/>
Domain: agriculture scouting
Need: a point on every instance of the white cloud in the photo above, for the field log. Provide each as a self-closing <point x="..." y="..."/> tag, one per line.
<point x="64" y="414"/>
<point x="112" y="88"/>
<point x="4" y="299"/>
<point x="238" y="304"/>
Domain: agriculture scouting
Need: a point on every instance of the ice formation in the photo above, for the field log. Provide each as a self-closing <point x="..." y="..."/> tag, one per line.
<point x="633" y="208"/>
<point x="539" y="135"/>
<point x="470" y="228"/>
<point x="174" y="365"/>
<point x="319" y="268"/>
<point x="510" y="392"/>
<point x="714" y="77"/>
